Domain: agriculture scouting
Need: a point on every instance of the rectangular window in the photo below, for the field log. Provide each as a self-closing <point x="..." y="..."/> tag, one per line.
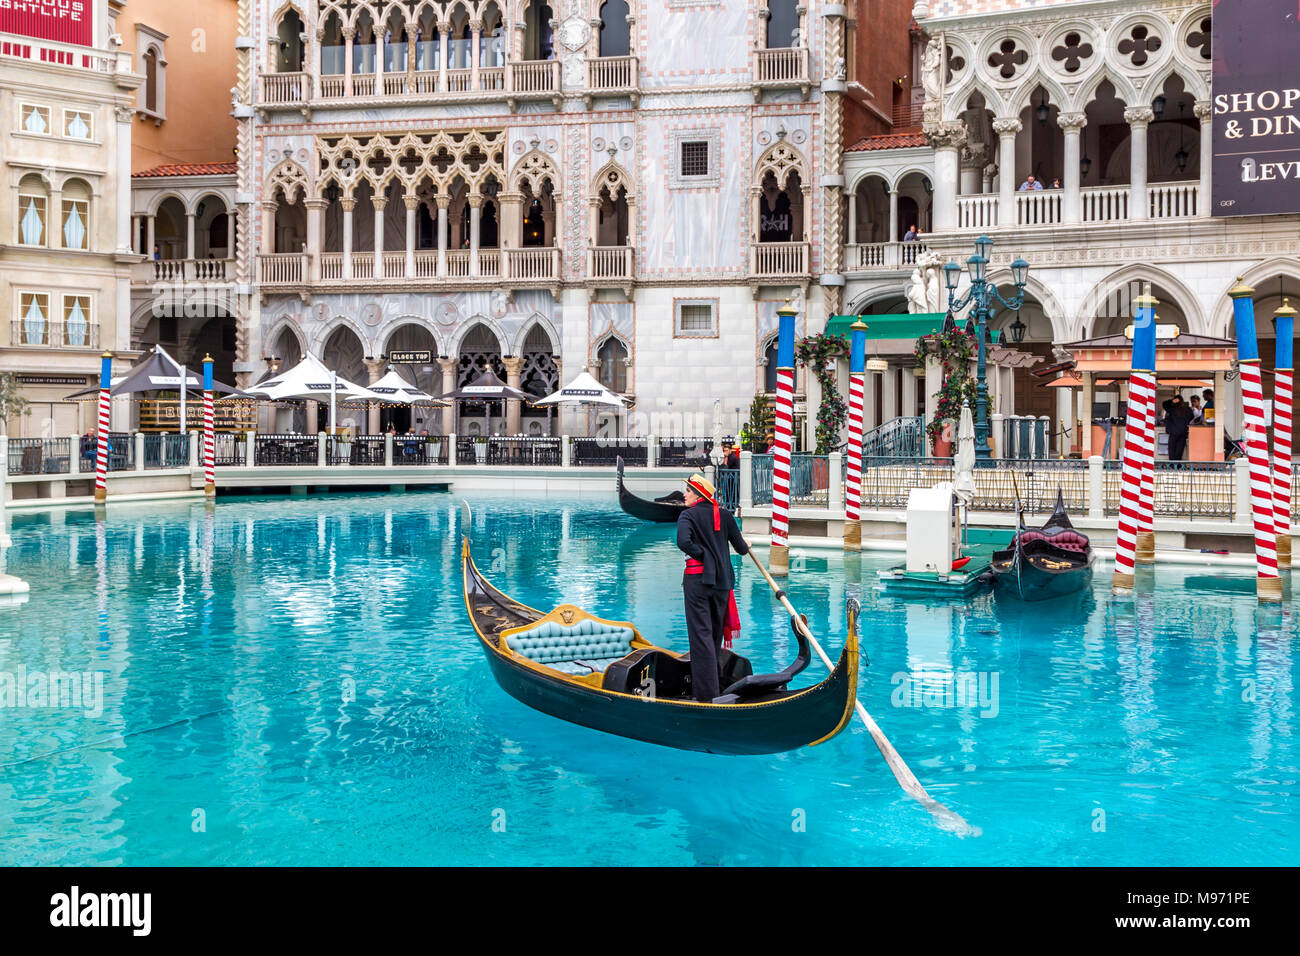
<point x="33" y="318"/>
<point x="76" y="224"/>
<point x="696" y="318"/>
<point x="78" y="124"/>
<point x="77" y="322"/>
<point x="34" y="119"/>
<point x="695" y="158"/>
<point x="31" y="220"/>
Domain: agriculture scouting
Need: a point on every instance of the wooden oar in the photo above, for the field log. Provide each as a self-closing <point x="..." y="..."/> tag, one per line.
<point x="947" y="819"/>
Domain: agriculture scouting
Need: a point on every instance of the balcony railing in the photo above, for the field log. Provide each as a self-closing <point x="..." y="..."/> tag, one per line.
<point x="778" y="259"/>
<point x="286" y="88"/>
<point x="533" y="263"/>
<point x="492" y="264"/>
<point x="786" y="66"/>
<point x="50" y="334"/>
<point x="1038" y="207"/>
<point x="1097" y="204"/>
<point x="1104" y="203"/>
<point x="977" y="212"/>
<point x="609" y="262"/>
<point x="882" y="255"/>
<point x="610" y="74"/>
<point x="533" y="78"/>
<point x="1173" y="200"/>
<point x="184" y="270"/>
<point x="281" y="268"/>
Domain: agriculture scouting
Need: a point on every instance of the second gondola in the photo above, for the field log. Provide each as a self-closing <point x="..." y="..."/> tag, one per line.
<point x="1045" y="562"/>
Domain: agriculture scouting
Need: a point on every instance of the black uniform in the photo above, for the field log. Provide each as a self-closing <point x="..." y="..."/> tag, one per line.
<point x="1177" y="418"/>
<point x="708" y="593"/>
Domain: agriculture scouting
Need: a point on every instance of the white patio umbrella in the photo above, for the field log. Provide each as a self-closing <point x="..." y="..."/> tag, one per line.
<point x="310" y="380"/>
<point x="584" y="390"/>
<point x="393" y="388"/>
<point x="964" y="464"/>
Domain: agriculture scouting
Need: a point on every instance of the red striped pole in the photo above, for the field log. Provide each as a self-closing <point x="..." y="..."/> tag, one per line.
<point x="779" y="560"/>
<point x="209" y="442"/>
<point x="1145" y="384"/>
<point x="1138" y="446"/>
<point x="105" y="408"/>
<point x="853" y="484"/>
<point x="1268" y="586"/>
<point x="1284" y="323"/>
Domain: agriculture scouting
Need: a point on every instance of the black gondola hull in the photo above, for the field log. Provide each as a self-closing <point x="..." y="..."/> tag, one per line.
<point x="1035" y="583"/>
<point x="643" y="508"/>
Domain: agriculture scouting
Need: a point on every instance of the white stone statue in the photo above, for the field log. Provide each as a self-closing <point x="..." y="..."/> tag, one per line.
<point x="932" y="71"/>
<point x="925" y="289"/>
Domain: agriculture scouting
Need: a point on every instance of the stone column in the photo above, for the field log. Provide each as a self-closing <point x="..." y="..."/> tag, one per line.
<point x="475" y="31"/>
<point x="379" y="59"/>
<point x="448" y="366"/>
<point x="151" y="221"/>
<point x="375" y="371"/>
<point x="268" y="228"/>
<point x="1138" y="119"/>
<point x="894" y="234"/>
<point x="1205" y="113"/>
<point x="347" y="61"/>
<point x="510" y="226"/>
<point x="1007" y="129"/>
<point x="54" y="217"/>
<point x="514" y="375"/>
<point x="443" y="202"/>
<point x="1218" y="416"/>
<point x="475" y="214"/>
<point x="315" y="221"/>
<point x="909" y="393"/>
<point x="412" y="206"/>
<point x="933" y="382"/>
<point x="348" y="205"/>
<point x="852" y="200"/>
<point x="972" y="168"/>
<point x="379" y="202"/>
<point x="1072" y="125"/>
<point x="946" y="139"/>
<point x="189" y="235"/>
<point x="1085" y="439"/>
<point x="889" y="395"/>
<point x="444" y="49"/>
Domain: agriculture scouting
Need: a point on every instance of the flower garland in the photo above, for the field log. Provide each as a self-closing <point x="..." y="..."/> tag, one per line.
<point x="954" y="349"/>
<point x="818" y="353"/>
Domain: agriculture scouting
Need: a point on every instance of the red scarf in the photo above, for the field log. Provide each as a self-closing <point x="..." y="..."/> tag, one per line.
<point x="731" y="627"/>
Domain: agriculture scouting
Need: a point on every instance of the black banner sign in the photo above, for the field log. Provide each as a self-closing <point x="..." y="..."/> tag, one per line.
<point x="417" y="357"/>
<point x="1256" y="107"/>
<point x="51" y="379"/>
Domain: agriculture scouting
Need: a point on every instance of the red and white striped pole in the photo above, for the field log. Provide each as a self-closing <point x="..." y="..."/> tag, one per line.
<point x="1268" y="586"/>
<point x="1284" y="324"/>
<point x="779" y="559"/>
<point x="209" y="442"/>
<point x="105" y="417"/>
<point x="853" y="482"/>
<point x="1139" y="449"/>
<point x="1145" y="385"/>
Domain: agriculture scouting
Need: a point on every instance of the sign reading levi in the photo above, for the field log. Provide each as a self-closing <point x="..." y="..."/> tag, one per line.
<point x="67" y="21"/>
<point x="1256" y="107"/>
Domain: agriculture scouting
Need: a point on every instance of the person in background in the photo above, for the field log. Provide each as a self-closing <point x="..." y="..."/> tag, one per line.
<point x="157" y="254"/>
<point x="1030" y="184"/>
<point x="1198" y="413"/>
<point x="1209" y="398"/>
<point x="1177" y="417"/>
<point x="733" y="457"/>
<point x="911" y="234"/>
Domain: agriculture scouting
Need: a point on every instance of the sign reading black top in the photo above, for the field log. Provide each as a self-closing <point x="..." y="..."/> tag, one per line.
<point x="416" y="357"/>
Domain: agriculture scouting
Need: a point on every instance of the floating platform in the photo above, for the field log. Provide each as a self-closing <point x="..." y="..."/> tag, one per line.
<point x="959" y="583"/>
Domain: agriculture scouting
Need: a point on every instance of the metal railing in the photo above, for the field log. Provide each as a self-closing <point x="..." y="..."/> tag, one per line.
<point x="166" y="451"/>
<point x="361" y="450"/>
<point x="809" y="480"/>
<point x="727" y="487"/>
<point x="590" y="452"/>
<point x="684" y="452"/>
<point x="40" y="456"/>
<point x="1023" y="436"/>
<point x="902" y="437"/>
<point x="121" y="452"/>
<point x="1183" y="489"/>
<point x="286" y="450"/>
<point x="525" y="451"/>
<point x="228" y="449"/>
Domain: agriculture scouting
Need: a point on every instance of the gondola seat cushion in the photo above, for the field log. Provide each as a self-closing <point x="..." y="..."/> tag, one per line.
<point x="1066" y="540"/>
<point x="592" y="642"/>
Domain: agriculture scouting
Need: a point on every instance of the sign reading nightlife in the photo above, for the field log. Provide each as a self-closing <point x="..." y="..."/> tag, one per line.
<point x="1256" y="107"/>
<point x="67" y="21"/>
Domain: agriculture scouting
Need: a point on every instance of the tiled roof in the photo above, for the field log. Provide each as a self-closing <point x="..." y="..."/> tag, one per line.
<point x="888" y="141"/>
<point x="189" y="169"/>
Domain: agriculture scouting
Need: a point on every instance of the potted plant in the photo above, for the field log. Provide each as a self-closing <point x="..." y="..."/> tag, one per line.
<point x="435" y="447"/>
<point x="954" y="349"/>
<point x="480" y="449"/>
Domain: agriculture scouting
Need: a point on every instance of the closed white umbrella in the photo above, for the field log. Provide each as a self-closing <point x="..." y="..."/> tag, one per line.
<point x="964" y="465"/>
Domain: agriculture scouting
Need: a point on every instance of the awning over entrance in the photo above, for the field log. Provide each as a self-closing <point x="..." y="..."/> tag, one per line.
<point x="910" y="326"/>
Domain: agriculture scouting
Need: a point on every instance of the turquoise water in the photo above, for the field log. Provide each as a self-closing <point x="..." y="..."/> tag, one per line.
<point x="293" y="681"/>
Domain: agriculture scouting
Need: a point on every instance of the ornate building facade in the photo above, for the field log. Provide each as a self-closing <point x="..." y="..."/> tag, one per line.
<point x="540" y="188"/>
<point x="1107" y="106"/>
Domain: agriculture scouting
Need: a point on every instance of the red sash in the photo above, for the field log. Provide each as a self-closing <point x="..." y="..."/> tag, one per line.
<point x="732" y="625"/>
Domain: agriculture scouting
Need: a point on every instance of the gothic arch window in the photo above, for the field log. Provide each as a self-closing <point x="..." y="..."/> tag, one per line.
<point x="769" y="366"/>
<point x="33" y="211"/>
<point x="289" y="47"/>
<point x="151" y="79"/>
<point x="539" y="38"/>
<point x="780" y="201"/>
<point x="614" y="200"/>
<point x="615" y="31"/>
<point x="539" y="377"/>
<point x="480" y="349"/>
<point x="612" y="357"/>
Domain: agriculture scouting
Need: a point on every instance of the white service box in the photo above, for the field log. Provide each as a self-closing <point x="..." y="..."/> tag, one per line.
<point x="932" y="528"/>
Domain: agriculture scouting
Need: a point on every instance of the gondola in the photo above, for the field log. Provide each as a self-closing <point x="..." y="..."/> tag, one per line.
<point x="663" y="509"/>
<point x="605" y="675"/>
<point x="1045" y="562"/>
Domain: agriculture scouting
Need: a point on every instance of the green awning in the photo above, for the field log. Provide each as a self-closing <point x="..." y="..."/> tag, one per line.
<point x="909" y="326"/>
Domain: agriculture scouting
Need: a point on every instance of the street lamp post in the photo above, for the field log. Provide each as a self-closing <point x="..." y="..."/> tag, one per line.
<point x="980" y="298"/>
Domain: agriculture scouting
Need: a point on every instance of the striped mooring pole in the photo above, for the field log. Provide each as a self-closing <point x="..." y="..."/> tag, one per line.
<point x="101" y="445"/>
<point x="1284" y="326"/>
<point x="779" y="560"/>
<point x="1138" y="447"/>
<point x="1268" y="586"/>
<point x="853" y="479"/>
<point x="209" y="442"/>
<point x="1143" y="385"/>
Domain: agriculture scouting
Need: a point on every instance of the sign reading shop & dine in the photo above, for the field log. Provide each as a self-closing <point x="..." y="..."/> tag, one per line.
<point x="1256" y="107"/>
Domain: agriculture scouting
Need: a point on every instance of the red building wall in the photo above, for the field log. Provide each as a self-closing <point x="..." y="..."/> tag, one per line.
<point x="882" y="54"/>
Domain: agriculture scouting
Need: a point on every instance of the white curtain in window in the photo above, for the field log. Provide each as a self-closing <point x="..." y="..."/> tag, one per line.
<point x="77" y="127"/>
<point x="35" y="122"/>
<point x="74" y="228"/>
<point x="33" y="227"/>
<point x="76" y="326"/>
<point x="34" y="324"/>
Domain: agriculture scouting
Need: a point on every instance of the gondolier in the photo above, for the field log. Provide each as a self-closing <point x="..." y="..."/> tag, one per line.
<point x="704" y="531"/>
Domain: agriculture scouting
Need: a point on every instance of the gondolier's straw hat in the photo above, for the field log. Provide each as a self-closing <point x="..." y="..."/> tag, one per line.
<point x="704" y="488"/>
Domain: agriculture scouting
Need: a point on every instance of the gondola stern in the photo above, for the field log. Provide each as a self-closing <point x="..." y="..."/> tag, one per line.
<point x="848" y="669"/>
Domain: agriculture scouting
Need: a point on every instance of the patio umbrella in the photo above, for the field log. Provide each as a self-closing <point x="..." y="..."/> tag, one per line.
<point x="584" y="390"/>
<point x="310" y="380"/>
<point x="157" y="371"/>
<point x="396" y="389"/>
<point x="487" y="388"/>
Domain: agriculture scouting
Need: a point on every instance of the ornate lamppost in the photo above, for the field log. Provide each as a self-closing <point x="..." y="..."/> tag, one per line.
<point x="980" y="298"/>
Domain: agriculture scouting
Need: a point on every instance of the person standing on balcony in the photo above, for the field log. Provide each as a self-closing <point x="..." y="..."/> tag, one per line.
<point x="1177" y="417"/>
<point x="1030" y="184"/>
<point x="911" y="234"/>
